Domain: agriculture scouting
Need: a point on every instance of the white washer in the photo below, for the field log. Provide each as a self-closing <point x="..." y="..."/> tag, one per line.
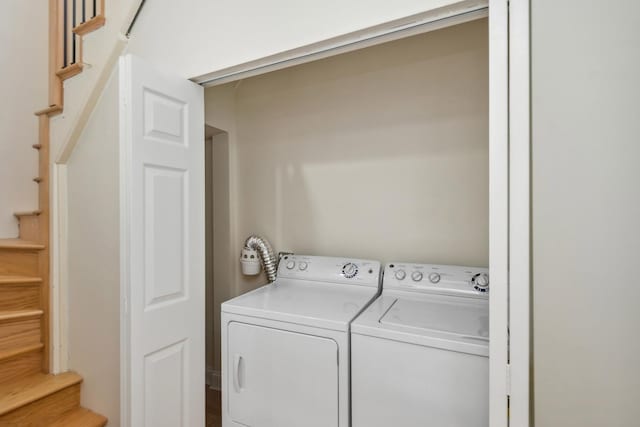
<point x="420" y="352"/>
<point x="285" y="346"/>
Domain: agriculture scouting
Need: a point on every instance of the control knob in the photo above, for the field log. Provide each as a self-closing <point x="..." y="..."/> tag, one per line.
<point x="291" y="264"/>
<point x="416" y="276"/>
<point x="434" y="278"/>
<point x="400" y="274"/>
<point x="303" y="266"/>
<point x="349" y="270"/>
<point x="481" y="282"/>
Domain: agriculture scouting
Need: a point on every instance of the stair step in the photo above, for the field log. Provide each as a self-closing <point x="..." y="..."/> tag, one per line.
<point x="19" y="280"/>
<point x="19" y="293"/>
<point x="69" y="71"/>
<point x="20" y="393"/>
<point x="9" y="354"/>
<point x="27" y="213"/>
<point x="49" y="111"/>
<point x="21" y="245"/>
<point x="89" y="26"/>
<point x="21" y="362"/>
<point x="80" y="417"/>
<point x="19" y="262"/>
<point x="19" y="315"/>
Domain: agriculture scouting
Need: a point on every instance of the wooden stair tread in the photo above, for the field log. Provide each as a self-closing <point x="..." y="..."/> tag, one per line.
<point x="18" y="280"/>
<point x="27" y="213"/>
<point x="49" y="111"/>
<point x="80" y="417"/>
<point x="19" y="393"/>
<point x="69" y="71"/>
<point x="19" y="314"/>
<point x="20" y="244"/>
<point x="8" y="354"/>
<point x="89" y="25"/>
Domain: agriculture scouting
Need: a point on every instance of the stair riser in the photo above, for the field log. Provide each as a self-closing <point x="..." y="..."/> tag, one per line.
<point x="20" y="333"/>
<point x="19" y="297"/>
<point x="29" y="228"/>
<point x="19" y="262"/>
<point x="44" y="411"/>
<point x="20" y="366"/>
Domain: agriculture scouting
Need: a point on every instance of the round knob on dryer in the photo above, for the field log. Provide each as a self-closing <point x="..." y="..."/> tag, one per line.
<point x="481" y="282"/>
<point x="400" y="274"/>
<point x="434" y="278"/>
<point x="303" y="266"/>
<point x="416" y="276"/>
<point x="291" y="264"/>
<point x="349" y="270"/>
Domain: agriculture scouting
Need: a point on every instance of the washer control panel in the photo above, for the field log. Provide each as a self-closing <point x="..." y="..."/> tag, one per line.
<point x="330" y="270"/>
<point x="448" y="279"/>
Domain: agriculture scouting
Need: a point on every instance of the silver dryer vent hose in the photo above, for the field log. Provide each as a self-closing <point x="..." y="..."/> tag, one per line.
<point x="267" y="257"/>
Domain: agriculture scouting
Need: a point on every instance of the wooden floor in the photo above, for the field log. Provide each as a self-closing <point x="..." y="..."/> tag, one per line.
<point x="214" y="408"/>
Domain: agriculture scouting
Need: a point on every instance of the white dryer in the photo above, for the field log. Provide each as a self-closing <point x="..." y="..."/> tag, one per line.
<point x="285" y="346"/>
<point x="420" y="352"/>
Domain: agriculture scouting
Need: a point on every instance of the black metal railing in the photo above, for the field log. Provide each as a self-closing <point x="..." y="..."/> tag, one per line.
<point x="74" y="14"/>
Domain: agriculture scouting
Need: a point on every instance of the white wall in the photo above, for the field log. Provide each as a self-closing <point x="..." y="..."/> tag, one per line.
<point x="380" y="153"/>
<point x="586" y="212"/>
<point x="24" y="61"/>
<point x="94" y="258"/>
<point x="196" y="37"/>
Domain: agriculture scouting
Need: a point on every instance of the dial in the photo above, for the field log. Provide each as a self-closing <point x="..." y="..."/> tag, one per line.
<point x="291" y="264"/>
<point x="303" y="266"/>
<point x="416" y="276"/>
<point x="349" y="270"/>
<point x="481" y="282"/>
<point x="400" y="274"/>
<point x="434" y="278"/>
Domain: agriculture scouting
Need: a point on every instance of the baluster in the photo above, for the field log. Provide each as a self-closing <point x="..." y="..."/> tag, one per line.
<point x="73" y="45"/>
<point x="64" y="35"/>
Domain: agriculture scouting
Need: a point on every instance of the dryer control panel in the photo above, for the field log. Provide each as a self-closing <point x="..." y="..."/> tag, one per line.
<point x="435" y="278"/>
<point x="331" y="270"/>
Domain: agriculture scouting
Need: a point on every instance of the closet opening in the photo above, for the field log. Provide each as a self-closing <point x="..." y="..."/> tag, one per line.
<point x="380" y="153"/>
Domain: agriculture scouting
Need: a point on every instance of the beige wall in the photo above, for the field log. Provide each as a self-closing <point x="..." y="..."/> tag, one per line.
<point x="380" y="153"/>
<point x="586" y="212"/>
<point x="24" y="62"/>
<point x="94" y="258"/>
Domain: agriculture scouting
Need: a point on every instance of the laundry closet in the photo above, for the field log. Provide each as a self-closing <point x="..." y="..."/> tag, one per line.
<point x="374" y="149"/>
<point x="381" y="153"/>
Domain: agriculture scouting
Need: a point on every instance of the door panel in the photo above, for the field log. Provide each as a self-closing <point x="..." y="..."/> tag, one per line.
<point x="280" y="378"/>
<point x="162" y="196"/>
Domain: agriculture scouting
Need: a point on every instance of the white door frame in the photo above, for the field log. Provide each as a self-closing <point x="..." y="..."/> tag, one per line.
<point x="519" y="212"/>
<point x="509" y="172"/>
<point x="498" y="211"/>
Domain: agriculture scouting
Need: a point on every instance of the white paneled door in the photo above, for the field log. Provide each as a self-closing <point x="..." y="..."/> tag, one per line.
<point x="162" y="244"/>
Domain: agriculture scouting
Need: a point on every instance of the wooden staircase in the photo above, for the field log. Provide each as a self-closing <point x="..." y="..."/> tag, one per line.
<point x="29" y="395"/>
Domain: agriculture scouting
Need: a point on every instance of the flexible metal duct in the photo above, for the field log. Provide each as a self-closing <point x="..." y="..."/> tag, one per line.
<point x="267" y="257"/>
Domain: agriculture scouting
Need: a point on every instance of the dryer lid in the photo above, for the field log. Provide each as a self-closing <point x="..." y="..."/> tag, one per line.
<point x="464" y="317"/>
<point x="316" y="304"/>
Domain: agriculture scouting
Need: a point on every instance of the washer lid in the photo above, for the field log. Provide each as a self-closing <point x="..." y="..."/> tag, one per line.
<point x="317" y="304"/>
<point x="464" y="317"/>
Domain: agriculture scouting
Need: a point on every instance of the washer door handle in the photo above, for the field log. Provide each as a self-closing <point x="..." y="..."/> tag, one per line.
<point x="237" y="359"/>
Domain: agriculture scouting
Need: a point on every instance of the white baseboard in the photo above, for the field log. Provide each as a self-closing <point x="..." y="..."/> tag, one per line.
<point x="213" y="379"/>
